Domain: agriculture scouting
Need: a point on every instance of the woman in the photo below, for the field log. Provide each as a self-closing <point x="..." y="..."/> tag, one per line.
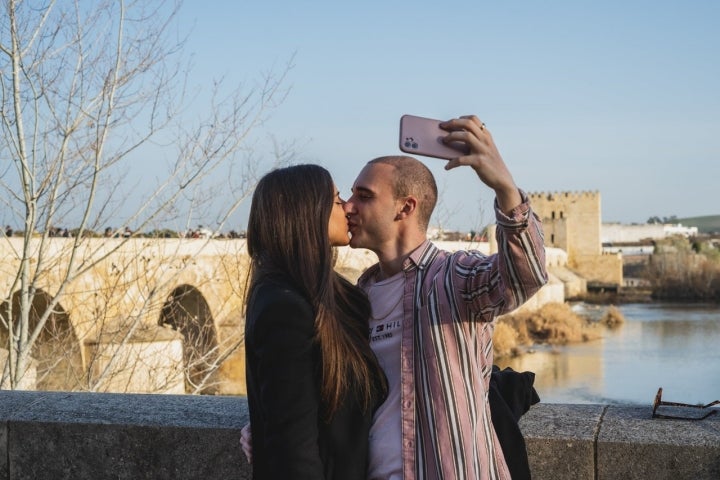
<point x="312" y="380"/>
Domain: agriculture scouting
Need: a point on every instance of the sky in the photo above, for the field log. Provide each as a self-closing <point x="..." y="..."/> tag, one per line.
<point x="618" y="97"/>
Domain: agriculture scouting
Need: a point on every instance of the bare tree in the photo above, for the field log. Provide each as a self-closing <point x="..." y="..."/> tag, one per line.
<point x="86" y="88"/>
<point x="472" y="212"/>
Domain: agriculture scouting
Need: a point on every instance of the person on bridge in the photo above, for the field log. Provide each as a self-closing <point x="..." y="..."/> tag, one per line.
<point x="434" y="312"/>
<point x="313" y="383"/>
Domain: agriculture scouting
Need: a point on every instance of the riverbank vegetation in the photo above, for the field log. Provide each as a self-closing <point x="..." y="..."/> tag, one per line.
<point x="551" y="324"/>
<point x="684" y="269"/>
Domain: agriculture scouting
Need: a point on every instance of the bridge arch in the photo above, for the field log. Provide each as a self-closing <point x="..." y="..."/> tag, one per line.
<point x="57" y="353"/>
<point x="187" y="311"/>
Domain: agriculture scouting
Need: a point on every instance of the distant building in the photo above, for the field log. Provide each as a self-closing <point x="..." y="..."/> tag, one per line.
<point x="635" y="233"/>
<point x="627" y="250"/>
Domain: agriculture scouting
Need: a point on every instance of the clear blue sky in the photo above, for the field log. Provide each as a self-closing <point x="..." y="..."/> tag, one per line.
<point x="620" y="97"/>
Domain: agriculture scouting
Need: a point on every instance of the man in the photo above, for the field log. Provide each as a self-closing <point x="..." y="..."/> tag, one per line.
<point x="434" y="312"/>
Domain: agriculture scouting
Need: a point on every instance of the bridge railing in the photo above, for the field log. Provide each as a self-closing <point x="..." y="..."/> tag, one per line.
<point x="57" y="435"/>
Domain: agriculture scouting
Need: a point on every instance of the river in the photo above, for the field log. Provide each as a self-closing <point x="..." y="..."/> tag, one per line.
<point x="669" y="345"/>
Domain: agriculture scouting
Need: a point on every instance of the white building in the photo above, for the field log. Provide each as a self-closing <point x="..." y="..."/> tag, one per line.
<point x="621" y="233"/>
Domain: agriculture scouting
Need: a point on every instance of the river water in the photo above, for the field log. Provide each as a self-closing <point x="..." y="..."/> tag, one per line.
<point x="668" y="345"/>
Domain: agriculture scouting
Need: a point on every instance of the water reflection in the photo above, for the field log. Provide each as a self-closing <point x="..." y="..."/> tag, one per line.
<point x="674" y="346"/>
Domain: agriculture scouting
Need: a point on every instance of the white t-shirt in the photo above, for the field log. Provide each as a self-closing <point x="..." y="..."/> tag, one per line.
<point x="386" y="299"/>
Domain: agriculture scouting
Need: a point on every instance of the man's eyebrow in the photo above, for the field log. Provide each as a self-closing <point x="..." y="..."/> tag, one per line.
<point x="361" y="189"/>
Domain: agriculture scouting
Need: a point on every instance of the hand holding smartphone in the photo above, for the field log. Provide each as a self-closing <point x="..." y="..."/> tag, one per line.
<point x="423" y="136"/>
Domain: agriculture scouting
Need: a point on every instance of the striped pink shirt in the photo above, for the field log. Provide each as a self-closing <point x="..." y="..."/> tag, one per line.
<point x="450" y="302"/>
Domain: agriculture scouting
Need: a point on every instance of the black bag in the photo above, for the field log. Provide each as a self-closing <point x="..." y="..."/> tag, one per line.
<point x="511" y="395"/>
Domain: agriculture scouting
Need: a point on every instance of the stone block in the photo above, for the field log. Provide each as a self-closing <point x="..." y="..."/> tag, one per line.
<point x="560" y="440"/>
<point x="151" y="362"/>
<point x="633" y="445"/>
<point x="55" y="435"/>
<point x="3" y="451"/>
<point x="41" y="450"/>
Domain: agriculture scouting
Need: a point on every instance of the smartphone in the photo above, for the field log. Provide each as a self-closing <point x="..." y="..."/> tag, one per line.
<point x="423" y="136"/>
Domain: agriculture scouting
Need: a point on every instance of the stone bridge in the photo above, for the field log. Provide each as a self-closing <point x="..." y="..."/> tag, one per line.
<point x="138" y="315"/>
<point x="148" y="315"/>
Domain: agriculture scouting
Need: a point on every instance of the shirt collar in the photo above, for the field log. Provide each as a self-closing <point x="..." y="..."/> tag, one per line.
<point x="421" y="256"/>
<point x="418" y="258"/>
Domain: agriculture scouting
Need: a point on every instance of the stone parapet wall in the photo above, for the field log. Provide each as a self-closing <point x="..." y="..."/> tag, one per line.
<point x="52" y="435"/>
<point x="618" y="442"/>
<point x="56" y="436"/>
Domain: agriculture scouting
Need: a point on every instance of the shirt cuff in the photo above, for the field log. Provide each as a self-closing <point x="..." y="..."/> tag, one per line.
<point x="518" y="216"/>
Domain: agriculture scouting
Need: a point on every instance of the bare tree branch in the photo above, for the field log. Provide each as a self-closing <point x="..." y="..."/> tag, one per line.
<point x="87" y="88"/>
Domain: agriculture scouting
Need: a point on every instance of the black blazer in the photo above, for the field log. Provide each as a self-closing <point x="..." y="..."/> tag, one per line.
<point x="290" y="437"/>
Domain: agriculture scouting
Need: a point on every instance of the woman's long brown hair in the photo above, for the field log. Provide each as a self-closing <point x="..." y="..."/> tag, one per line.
<point x="287" y="237"/>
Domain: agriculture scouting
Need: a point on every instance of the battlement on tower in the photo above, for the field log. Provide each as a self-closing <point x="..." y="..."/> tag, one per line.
<point x="567" y="195"/>
<point x="575" y="205"/>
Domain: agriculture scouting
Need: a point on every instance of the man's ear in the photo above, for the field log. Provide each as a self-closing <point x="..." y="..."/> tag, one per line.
<point x="407" y="208"/>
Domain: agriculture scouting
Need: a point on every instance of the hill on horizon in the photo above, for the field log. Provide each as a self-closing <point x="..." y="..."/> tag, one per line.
<point x="704" y="224"/>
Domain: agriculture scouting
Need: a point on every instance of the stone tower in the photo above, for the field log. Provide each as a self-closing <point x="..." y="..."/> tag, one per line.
<point x="572" y="221"/>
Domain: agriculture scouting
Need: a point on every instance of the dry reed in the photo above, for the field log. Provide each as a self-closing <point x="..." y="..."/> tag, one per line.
<point x="553" y="324"/>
